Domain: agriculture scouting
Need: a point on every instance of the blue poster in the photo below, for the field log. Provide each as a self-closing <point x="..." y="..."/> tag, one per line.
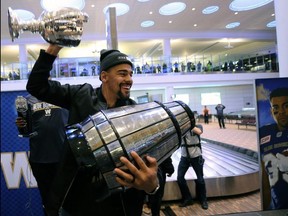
<point x="19" y="192"/>
<point x="272" y="117"/>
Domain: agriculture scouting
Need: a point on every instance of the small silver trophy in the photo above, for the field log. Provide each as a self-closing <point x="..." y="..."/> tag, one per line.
<point x="63" y="27"/>
<point x="153" y="129"/>
<point x="22" y="111"/>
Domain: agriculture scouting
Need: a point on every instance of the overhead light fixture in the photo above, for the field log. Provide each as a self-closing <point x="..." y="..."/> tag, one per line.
<point x="52" y="5"/>
<point x="24" y="14"/>
<point x="147" y="23"/>
<point x="271" y="24"/>
<point x="143" y="0"/>
<point x="172" y="8"/>
<point x="210" y="10"/>
<point x="121" y="8"/>
<point x="232" y="25"/>
<point x="244" y="5"/>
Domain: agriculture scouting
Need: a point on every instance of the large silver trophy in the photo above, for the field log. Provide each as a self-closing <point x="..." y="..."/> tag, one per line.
<point x="63" y="27"/>
<point x="153" y="129"/>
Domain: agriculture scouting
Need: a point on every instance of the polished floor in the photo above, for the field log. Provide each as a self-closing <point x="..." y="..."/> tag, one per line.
<point x="236" y="204"/>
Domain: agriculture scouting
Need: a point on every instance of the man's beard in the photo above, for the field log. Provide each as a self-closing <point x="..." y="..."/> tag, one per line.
<point x="122" y="96"/>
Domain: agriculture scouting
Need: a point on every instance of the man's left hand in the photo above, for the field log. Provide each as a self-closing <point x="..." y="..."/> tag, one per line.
<point x="142" y="178"/>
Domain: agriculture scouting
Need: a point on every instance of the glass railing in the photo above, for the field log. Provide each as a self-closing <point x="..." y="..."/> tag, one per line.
<point x="178" y="65"/>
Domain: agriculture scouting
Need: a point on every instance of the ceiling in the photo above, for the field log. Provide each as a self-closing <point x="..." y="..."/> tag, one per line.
<point x="208" y="38"/>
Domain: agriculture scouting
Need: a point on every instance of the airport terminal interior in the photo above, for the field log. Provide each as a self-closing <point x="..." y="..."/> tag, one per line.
<point x="208" y="52"/>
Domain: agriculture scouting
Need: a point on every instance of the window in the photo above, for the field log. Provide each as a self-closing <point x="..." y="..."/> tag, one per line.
<point x="212" y="98"/>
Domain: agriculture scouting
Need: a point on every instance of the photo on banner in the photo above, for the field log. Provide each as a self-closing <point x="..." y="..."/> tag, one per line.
<point x="272" y="120"/>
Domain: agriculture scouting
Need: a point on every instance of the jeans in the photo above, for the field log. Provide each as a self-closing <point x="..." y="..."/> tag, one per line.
<point x="206" y="119"/>
<point x="156" y="199"/>
<point x="197" y="164"/>
<point x="221" y="121"/>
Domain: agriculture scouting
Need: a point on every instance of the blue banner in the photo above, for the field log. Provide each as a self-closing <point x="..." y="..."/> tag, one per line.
<point x="19" y="192"/>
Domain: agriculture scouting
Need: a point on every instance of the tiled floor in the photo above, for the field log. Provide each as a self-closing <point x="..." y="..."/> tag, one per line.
<point x="246" y="138"/>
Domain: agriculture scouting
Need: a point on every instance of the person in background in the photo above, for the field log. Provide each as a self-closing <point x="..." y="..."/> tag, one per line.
<point x="191" y="155"/>
<point x="274" y="150"/>
<point x="154" y="201"/>
<point x="206" y="115"/>
<point x="46" y="141"/>
<point x="84" y="191"/>
<point x="220" y="115"/>
<point x="199" y="66"/>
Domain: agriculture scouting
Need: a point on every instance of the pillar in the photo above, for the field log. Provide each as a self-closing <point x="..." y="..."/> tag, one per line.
<point x="111" y="28"/>
<point x="23" y="59"/>
<point x="169" y="94"/>
<point x="282" y="35"/>
<point x="167" y="54"/>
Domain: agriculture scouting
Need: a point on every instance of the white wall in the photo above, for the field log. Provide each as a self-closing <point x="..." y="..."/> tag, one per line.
<point x="233" y="97"/>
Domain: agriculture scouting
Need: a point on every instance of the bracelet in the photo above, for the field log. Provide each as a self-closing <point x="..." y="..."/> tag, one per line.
<point x="155" y="190"/>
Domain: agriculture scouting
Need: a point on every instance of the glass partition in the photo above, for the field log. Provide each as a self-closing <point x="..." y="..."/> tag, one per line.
<point x="148" y="65"/>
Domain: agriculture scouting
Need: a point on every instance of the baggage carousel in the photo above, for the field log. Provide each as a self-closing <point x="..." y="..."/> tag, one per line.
<point x="228" y="170"/>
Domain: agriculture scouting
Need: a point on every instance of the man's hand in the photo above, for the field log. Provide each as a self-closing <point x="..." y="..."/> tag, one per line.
<point x="20" y="122"/>
<point x="142" y="178"/>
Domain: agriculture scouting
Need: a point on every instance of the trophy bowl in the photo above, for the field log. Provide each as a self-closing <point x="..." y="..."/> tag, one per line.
<point x="63" y="27"/>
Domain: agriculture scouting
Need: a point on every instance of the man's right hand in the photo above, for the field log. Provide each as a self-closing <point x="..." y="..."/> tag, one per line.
<point x="20" y="122"/>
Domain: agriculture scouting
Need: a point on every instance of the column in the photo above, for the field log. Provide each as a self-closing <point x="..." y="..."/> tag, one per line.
<point x="23" y="59"/>
<point x="169" y="94"/>
<point x="282" y="35"/>
<point x="111" y="28"/>
<point x="167" y="55"/>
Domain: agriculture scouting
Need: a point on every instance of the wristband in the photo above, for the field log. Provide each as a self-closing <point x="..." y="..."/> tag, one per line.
<point x="155" y="190"/>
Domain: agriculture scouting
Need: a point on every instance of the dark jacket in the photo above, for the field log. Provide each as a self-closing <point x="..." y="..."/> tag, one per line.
<point x="47" y="123"/>
<point x="85" y="197"/>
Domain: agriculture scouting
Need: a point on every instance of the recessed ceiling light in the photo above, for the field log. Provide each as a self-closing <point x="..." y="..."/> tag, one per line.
<point x="143" y="0"/>
<point x="121" y="8"/>
<point x="147" y="23"/>
<point x="52" y="5"/>
<point x="271" y="24"/>
<point x="232" y="25"/>
<point x="244" y="5"/>
<point x="24" y="14"/>
<point x="172" y="8"/>
<point x="210" y="9"/>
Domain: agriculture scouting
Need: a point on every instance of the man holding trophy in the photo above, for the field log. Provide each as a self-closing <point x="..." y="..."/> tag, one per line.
<point x="85" y="195"/>
<point x="86" y="185"/>
<point x="82" y="191"/>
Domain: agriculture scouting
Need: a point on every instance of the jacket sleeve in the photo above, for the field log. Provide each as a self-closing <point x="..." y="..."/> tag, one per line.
<point x="167" y="166"/>
<point x="44" y="89"/>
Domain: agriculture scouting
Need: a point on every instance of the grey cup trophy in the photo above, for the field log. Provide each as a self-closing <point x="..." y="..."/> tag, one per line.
<point x="63" y="27"/>
<point x="153" y="129"/>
